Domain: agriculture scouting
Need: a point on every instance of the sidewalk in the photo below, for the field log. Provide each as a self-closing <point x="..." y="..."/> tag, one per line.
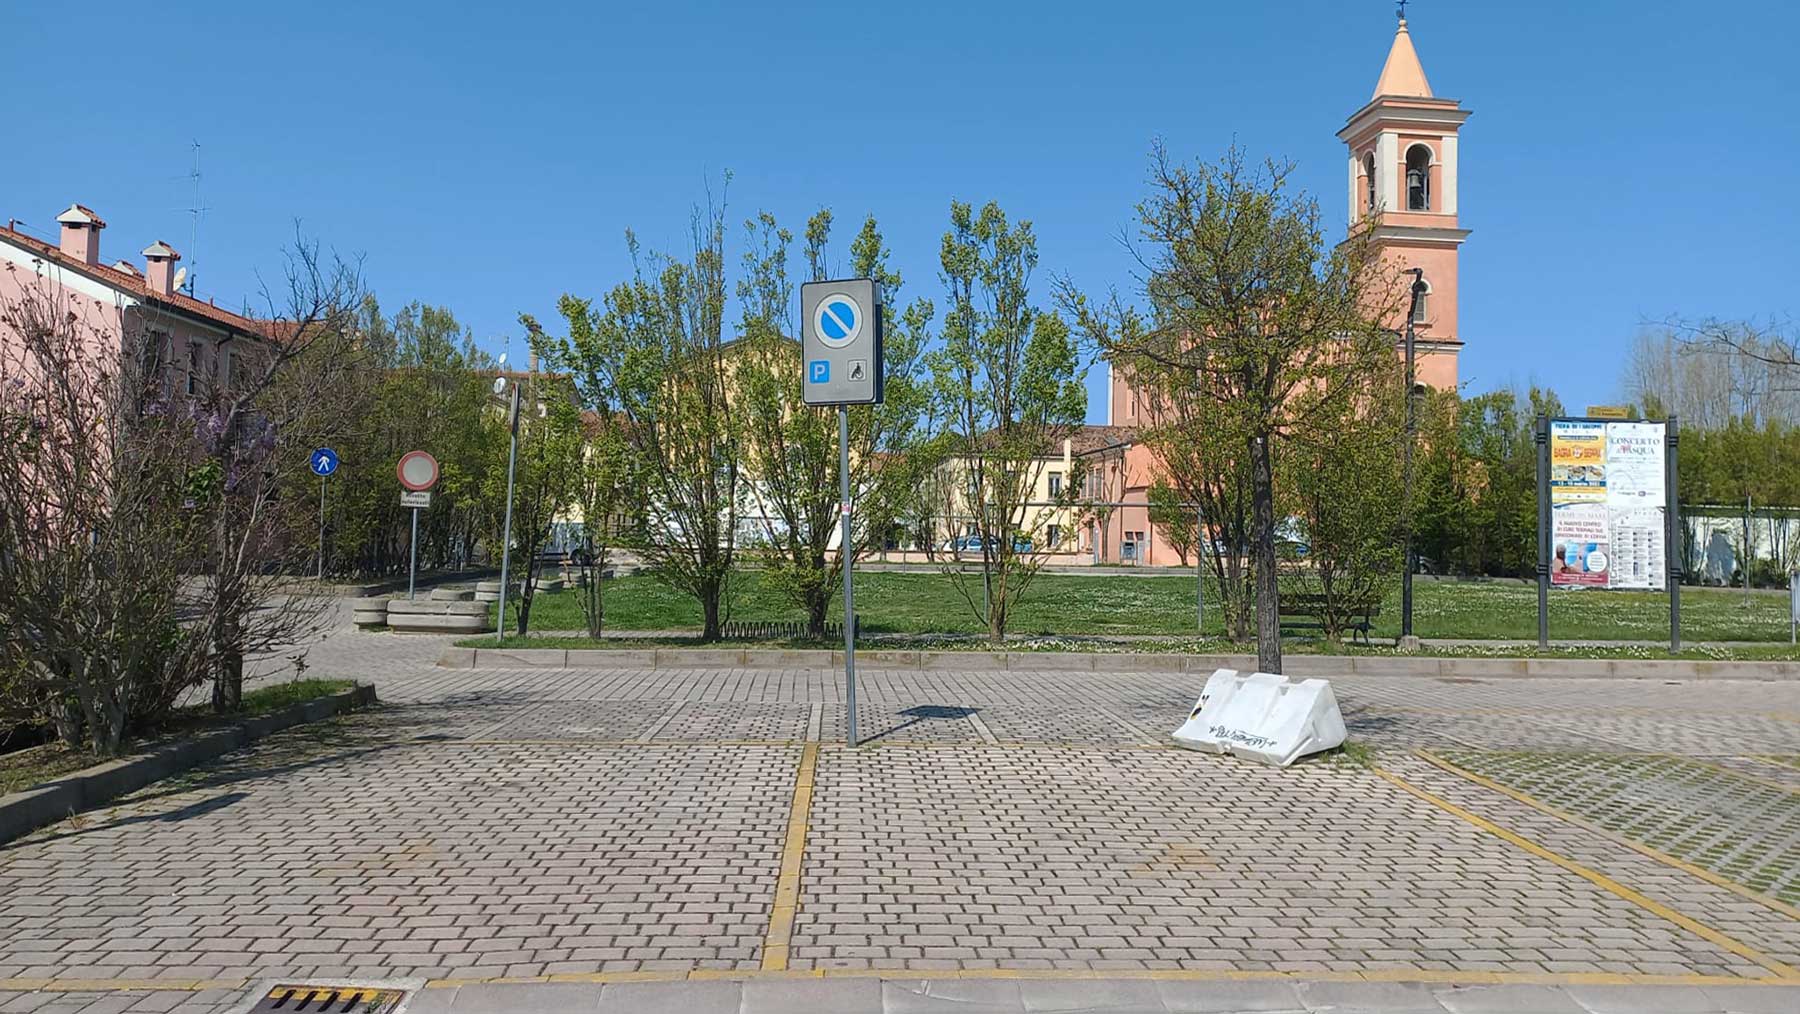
<point x="996" y="995"/>
<point x="1112" y="996"/>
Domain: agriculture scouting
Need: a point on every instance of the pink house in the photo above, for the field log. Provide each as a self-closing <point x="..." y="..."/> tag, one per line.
<point x="1403" y="162"/>
<point x="192" y="342"/>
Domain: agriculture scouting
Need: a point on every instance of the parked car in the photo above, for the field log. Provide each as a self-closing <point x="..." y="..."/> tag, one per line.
<point x="972" y="544"/>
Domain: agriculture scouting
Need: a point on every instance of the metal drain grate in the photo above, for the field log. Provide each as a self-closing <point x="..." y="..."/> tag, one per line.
<point x="287" y="999"/>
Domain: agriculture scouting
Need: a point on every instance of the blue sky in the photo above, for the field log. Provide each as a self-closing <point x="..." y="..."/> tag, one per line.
<point x="1626" y="160"/>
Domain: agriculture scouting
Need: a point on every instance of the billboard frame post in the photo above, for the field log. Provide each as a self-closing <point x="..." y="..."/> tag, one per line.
<point x="1673" y="546"/>
<point x="1542" y="438"/>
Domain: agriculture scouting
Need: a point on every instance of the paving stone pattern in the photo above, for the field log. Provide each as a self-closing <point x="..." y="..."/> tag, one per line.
<point x="922" y="995"/>
<point x="536" y="822"/>
<point x="1043" y="858"/>
<point x="1745" y="830"/>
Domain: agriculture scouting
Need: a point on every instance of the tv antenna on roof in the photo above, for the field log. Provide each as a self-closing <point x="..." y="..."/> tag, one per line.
<point x="196" y="210"/>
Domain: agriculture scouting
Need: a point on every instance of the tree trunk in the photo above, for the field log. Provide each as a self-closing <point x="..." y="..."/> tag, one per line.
<point x="228" y="682"/>
<point x="527" y="590"/>
<point x="1268" y="588"/>
<point x="818" y="604"/>
<point x="709" y="607"/>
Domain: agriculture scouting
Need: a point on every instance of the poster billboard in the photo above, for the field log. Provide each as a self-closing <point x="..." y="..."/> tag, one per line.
<point x="1577" y="462"/>
<point x="1608" y="503"/>
<point x="1581" y="550"/>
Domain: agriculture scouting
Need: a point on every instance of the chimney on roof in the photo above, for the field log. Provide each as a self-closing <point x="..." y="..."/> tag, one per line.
<point x="80" y="234"/>
<point x="159" y="268"/>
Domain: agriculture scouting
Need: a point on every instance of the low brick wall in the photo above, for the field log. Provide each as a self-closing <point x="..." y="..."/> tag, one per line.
<point x="24" y="812"/>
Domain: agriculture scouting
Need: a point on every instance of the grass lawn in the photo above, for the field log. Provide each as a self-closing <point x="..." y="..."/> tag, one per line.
<point x="22" y="769"/>
<point x="1058" y="604"/>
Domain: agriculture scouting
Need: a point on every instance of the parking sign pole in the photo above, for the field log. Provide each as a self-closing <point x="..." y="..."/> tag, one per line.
<point x="412" y="569"/>
<point x="848" y="556"/>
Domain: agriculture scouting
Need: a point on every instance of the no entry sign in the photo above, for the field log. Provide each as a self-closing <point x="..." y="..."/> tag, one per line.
<point x="418" y="471"/>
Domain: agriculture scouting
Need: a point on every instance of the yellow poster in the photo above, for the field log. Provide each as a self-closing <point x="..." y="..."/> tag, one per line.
<point x="1577" y="462"/>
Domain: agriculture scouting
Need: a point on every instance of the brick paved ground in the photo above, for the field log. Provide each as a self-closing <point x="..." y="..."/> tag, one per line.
<point x="536" y="823"/>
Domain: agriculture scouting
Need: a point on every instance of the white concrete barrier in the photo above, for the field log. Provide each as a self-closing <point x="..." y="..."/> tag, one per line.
<point x="369" y="612"/>
<point x="1263" y="717"/>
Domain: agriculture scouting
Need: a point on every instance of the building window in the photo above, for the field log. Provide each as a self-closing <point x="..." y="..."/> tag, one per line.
<point x="196" y="361"/>
<point x="1054" y="536"/>
<point x="1056" y="484"/>
<point x="1369" y="181"/>
<point x="1421" y="313"/>
<point x="1418" y="178"/>
<point x="225" y="368"/>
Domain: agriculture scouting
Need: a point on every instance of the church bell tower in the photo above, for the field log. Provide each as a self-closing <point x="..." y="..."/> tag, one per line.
<point x="1403" y="167"/>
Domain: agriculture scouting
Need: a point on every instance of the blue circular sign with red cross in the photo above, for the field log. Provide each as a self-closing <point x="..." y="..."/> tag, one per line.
<point x="838" y="320"/>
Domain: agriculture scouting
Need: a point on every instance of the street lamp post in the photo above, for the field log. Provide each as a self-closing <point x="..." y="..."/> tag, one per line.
<point x="1412" y="431"/>
<point x="512" y="461"/>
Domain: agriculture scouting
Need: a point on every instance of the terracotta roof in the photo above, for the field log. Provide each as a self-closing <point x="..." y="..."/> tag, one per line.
<point x="1089" y="439"/>
<point x="81" y="214"/>
<point x="135" y="286"/>
<point x="1082" y="439"/>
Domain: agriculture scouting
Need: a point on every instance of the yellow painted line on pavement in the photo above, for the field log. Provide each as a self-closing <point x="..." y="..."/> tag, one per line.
<point x="114" y="985"/>
<point x="1599" y="879"/>
<point x="1668" y="860"/>
<point x="793" y="853"/>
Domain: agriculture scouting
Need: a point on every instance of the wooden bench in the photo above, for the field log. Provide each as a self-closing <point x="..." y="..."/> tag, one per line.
<point x="1306" y="610"/>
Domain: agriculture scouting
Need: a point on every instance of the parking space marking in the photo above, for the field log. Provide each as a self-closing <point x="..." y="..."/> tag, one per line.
<point x="1586" y="825"/>
<point x="793" y="854"/>
<point x="1598" y="879"/>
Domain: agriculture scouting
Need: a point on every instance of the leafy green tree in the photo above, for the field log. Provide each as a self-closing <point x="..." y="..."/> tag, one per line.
<point x="1475" y="498"/>
<point x="790" y="448"/>
<point x="611" y="511"/>
<point x="652" y="356"/>
<point x="545" y="480"/>
<point x="1202" y="462"/>
<point x="420" y="383"/>
<point x="1343" y="483"/>
<point x="1249" y="307"/>
<point x="1007" y="390"/>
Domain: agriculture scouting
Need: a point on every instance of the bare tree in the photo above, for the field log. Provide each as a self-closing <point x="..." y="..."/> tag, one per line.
<point x="1712" y="372"/>
<point x="93" y="537"/>
<point x="253" y="432"/>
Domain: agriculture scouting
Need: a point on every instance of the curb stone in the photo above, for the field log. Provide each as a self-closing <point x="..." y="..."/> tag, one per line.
<point x="24" y="812"/>
<point x="1301" y="666"/>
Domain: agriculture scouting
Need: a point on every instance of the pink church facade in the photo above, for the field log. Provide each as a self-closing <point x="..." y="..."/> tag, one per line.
<point x="1403" y="155"/>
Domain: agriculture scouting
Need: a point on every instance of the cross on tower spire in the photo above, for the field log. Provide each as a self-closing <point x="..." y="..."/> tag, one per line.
<point x="1402" y="5"/>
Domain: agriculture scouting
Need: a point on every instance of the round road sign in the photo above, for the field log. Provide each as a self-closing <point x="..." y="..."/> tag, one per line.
<point x="324" y="462"/>
<point x="418" y="471"/>
<point x="838" y="320"/>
